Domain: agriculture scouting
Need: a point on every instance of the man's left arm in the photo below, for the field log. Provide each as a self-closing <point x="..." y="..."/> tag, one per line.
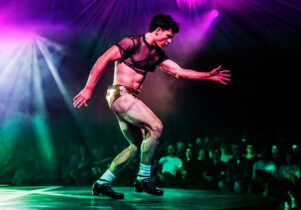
<point x="218" y="75"/>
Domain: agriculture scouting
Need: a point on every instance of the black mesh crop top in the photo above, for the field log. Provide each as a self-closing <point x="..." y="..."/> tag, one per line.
<point x="139" y="55"/>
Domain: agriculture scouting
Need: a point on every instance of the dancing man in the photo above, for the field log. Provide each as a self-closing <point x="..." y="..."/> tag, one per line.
<point x="135" y="56"/>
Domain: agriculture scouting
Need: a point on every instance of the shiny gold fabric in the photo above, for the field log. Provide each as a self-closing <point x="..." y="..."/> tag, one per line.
<point x="116" y="91"/>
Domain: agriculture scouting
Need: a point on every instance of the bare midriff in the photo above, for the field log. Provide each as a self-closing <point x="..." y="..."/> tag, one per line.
<point x="127" y="76"/>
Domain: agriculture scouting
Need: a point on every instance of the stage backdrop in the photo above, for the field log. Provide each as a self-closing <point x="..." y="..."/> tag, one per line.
<point x="47" y="49"/>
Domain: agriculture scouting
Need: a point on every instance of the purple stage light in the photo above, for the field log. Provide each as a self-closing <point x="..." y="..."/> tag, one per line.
<point x="214" y="13"/>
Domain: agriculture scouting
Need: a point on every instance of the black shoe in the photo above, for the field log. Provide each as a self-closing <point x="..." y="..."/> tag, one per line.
<point x="105" y="189"/>
<point x="147" y="186"/>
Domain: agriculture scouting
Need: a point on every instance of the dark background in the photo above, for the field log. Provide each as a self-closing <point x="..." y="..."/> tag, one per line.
<point x="259" y="43"/>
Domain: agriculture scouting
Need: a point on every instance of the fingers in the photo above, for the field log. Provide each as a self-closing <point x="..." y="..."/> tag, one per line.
<point x="225" y="71"/>
<point x="75" y="103"/>
<point x="218" y="68"/>
<point x="79" y="101"/>
<point x="224" y="83"/>
<point x="76" y="97"/>
<point x="227" y="79"/>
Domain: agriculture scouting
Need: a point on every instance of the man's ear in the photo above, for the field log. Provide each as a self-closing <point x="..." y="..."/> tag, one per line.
<point x="158" y="30"/>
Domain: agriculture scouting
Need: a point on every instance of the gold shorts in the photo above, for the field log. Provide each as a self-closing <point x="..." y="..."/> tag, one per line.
<point x="116" y="91"/>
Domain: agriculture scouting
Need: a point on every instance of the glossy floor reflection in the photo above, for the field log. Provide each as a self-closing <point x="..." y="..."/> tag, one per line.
<point x="80" y="198"/>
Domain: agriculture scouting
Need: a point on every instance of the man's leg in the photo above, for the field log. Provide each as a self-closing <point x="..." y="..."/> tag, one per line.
<point x="135" y="112"/>
<point x="134" y="136"/>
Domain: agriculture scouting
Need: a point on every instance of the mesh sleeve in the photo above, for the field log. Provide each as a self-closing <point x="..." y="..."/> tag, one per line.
<point x="126" y="46"/>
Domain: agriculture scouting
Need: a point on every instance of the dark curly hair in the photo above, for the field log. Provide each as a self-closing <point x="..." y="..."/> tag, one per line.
<point x="165" y="22"/>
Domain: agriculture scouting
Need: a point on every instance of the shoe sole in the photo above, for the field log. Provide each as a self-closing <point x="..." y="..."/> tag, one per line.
<point x="136" y="189"/>
<point x="97" y="193"/>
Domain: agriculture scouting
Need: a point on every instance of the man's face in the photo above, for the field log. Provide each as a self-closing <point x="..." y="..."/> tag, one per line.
<point x="274" y="149"/>
<point x="249" y="148"/>
<point x="170" y="150"/>
<point x="163" y="37"/>
<point x="202" y="153"/>
<point x="199" y="141"/>
<point x="180" y="146"/>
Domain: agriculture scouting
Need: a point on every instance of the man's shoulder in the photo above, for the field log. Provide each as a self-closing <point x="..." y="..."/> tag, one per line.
<point x="177" y="159"/>
<point x="162" y="158"/>
<point x="134" y="40"/>
<point x="135" y="36"/>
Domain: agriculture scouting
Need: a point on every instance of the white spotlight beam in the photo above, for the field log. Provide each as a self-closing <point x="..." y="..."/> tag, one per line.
<point x="40" y="125"/>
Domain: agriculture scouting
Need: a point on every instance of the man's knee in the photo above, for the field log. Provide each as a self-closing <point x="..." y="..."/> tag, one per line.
<point x="157" y="129"/>
<point x="133" y="150"/>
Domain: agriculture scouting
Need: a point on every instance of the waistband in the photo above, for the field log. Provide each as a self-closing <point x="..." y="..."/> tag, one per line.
<point x="124" y="88"/>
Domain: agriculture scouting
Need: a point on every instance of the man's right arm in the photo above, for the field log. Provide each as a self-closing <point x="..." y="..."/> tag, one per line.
<point x="111" y="55"/>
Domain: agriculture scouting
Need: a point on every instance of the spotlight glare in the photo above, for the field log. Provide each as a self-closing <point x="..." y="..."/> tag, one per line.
<point x="214" y="13"/>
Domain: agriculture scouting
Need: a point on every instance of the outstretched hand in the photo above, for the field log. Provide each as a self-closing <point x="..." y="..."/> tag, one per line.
<point x="82" y="98"/>
<point x="222" y="76"/>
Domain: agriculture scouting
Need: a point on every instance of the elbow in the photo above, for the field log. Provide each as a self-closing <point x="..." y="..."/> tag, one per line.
<point x="99" y="65"/>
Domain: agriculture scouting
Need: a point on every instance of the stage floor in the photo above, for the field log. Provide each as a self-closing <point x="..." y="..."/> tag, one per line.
<point x="60" y="197"/>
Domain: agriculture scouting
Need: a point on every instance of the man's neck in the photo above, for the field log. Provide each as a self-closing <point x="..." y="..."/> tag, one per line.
<point x="149" y="37"/>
